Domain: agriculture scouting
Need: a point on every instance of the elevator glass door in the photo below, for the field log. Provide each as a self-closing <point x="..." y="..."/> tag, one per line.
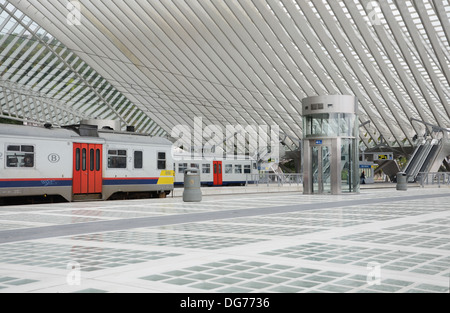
<point x="321" y="169"/>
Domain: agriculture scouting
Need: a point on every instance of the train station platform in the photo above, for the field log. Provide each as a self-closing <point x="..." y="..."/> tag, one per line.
<point x="380" y="240"/>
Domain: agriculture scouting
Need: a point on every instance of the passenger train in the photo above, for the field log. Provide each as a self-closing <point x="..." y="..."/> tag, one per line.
<point x="231" y="170"/>
<point x="84" y="162"/>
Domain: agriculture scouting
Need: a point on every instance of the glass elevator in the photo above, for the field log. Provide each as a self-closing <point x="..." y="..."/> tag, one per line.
<point x="330" y="144"/>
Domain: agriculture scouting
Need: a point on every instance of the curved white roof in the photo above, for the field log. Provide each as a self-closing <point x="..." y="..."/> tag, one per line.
<point x="251" y="62"/>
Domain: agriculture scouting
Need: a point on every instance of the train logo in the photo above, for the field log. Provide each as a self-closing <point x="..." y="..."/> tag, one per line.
<point x="53" y="157"/>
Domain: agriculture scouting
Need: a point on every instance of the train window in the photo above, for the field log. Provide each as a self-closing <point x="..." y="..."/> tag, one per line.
<point x="97" y="159"/>
<point x="195" y="165"/>
<point x="206" y="168"/>
<point x="238" y="168"/>
<point x="137" y="159"/>
<point x="13" y="148"/>
<point x="19" y="156"/>
<point x="91" y="159"/>
<point x="228" y="168"/>
<point x="77" y="159"/>
<point x="83" y="159"/>
<point x="247" y="169"/>
<point x="182" y="167"/>
<point x="117" y="158"/>
<point x="161" y="160"/>
<point x="254" y="166"/>
<point x="27" y="148"/>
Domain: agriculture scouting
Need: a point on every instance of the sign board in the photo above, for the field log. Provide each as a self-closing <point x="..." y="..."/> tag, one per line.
<point x="319" y="142"/>
<point x="387" y="156"/>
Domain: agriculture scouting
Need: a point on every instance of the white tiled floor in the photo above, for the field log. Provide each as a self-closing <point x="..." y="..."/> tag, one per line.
<point x="394" y="246"/>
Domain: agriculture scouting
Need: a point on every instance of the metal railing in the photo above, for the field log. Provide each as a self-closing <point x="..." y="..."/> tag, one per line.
<point x="274" y="179"/>
<point x="434" y="178"/>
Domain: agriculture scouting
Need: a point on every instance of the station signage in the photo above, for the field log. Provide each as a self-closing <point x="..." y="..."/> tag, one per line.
<point x="382" y="157"/>
<point x="387" y="156"/>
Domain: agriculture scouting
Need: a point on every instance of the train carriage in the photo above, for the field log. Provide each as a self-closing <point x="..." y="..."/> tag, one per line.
<point x="215" y="171"/>
<point x="104" y="164"/>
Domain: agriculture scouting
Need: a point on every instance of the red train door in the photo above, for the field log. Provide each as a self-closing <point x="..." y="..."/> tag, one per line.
<point x="217" y="170"/>
<point x="87" y="168"/>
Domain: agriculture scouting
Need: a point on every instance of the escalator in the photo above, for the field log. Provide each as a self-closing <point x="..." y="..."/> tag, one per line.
<point x="446" y="163"/>
<point x="434" y="149"/>
<point x="426" y="158"/>
<point x="416" y="155"/>
<point x="431" y="154"/>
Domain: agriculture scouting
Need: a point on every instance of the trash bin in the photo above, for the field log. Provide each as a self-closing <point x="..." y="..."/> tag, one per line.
<point x="402" y="181"/>
<point x="192" y="191"/>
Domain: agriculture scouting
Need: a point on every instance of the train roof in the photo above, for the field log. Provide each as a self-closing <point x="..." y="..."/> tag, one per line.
<point x="68" y="133"/>
<point x="35" y="131"/>
<point x="131" y="137"/>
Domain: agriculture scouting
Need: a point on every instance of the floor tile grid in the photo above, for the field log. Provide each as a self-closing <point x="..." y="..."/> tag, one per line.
<point x="171" y="239"/>
<point x="70" y="213"/>
<point x="47" y="219"/>
<point x="81" y="216"/>
<point x="280" y="220"/>
<point x="91" y="258"/>
<point x="237" y="275"/>
<point x="225" y="227"/>
<point x="185" y="228"/>
<point x="178" y="281"/>
<point x="273" y="285"/>
<point x="70" y="216"/>
<point x="9" y="281"/>
<point x="339" y="217"/>
<point x="138" y="205"/>
<point x="431" y="263"/>
<point x="357" y="255"/>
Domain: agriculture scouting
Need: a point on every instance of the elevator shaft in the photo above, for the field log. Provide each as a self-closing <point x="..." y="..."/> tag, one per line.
<point x="330" y="153"/>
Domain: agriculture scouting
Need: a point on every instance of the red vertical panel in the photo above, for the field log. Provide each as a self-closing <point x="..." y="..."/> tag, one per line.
<point x="214" y="173"/>
<point x="90" y="167"/>
<point x="98" y="169"/>
<point x="84" y="167"/>
<point x="87" y="168"/>
<point x="219" y="173"/>
<point x="76" y="179"/>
